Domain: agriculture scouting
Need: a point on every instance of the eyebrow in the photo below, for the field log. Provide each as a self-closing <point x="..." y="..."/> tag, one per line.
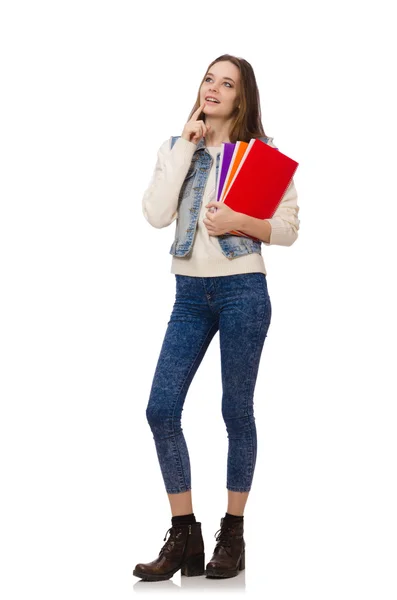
<point x="212" y="75"/>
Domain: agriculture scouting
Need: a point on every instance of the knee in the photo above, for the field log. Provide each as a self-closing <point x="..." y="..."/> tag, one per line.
<point x="238" y="422"/>
<point x="153" y="416"/>
<point x="160" y="420"/>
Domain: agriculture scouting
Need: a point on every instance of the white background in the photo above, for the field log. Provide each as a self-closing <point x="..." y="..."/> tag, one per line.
<point x="90" y="90"/>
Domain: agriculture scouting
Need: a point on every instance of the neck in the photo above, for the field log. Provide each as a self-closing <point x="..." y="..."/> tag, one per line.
<point x="218" y="133"/>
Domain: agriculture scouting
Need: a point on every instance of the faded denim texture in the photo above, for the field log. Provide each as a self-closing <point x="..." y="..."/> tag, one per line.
<point x="239" y="307"/>
<point x="189" y="205"/>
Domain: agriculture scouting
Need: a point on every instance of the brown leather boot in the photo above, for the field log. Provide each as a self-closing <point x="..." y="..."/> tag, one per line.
<point x="183" y="550"/>
<point x="229" y="554"/>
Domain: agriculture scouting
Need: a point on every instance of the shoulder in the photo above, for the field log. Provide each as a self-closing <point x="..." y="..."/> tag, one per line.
<point x="269" y="141"/>
<point x="165" y="147"/>
<point x="173" y="139"/>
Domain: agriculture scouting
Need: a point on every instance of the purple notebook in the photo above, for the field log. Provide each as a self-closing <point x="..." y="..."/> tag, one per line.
<point x="226" y="158"/>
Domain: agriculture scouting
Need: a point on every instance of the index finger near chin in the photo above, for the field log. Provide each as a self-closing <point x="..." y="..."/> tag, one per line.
<point x="198" y="111"/>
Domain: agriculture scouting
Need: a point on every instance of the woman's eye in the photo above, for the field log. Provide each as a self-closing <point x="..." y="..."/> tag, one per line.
<point x="206" y="79"/>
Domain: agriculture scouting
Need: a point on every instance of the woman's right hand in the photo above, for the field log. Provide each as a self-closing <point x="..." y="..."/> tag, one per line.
<point x="194" y="130"/>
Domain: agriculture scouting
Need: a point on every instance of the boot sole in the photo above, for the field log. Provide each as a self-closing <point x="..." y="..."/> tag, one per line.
<point x="220" y="574"/>
<point x="191" y="567"/>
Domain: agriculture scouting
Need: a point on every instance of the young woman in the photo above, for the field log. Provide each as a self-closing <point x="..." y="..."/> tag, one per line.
<point x="221" y="285"/>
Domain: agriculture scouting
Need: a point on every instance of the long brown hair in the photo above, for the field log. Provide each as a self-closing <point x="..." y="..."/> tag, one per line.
<point x="247" y="122"/>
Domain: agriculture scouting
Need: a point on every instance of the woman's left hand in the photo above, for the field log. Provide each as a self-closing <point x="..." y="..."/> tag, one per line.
<point x="222" y="220"/>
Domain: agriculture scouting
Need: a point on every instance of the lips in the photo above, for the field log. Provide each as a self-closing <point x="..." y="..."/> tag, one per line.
<point x="210" y="100"/>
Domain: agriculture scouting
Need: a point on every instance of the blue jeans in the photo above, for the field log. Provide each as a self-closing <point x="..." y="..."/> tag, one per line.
<point x="239" y="307"/>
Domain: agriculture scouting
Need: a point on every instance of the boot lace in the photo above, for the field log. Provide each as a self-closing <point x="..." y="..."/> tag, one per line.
<point x="223" y="539"/>
<point x="170" y="542"/>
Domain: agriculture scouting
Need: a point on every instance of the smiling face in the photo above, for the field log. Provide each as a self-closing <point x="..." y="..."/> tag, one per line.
<point x="222" y="82"/>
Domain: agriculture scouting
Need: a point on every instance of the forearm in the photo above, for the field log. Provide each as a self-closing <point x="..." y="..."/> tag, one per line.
<point x="258" y="228"/>
<point x="282" y="228"/>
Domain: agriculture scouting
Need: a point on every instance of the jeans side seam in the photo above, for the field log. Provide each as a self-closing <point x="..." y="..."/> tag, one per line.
<point x="177" y="454"/>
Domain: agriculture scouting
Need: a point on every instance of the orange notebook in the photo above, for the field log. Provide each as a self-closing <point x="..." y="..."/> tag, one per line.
<point x="238" y="155"/>
<point x="258" y="180"/>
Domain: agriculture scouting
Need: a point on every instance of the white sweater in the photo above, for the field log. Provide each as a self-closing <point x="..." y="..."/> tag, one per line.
<point x="206" y="259"/>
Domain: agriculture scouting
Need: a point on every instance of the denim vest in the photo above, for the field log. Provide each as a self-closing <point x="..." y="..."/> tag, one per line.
<point x="189" y="205"/>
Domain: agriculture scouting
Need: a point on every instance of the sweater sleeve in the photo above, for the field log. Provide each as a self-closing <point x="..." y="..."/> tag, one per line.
<point x="160" y="200"/>
<point x="285" y="221"/>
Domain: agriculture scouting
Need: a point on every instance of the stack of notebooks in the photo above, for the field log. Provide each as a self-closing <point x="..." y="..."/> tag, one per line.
<point x="253" y="178"/>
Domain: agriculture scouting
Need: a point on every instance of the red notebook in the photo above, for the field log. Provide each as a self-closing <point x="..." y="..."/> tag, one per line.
<point x="260" y="181"/>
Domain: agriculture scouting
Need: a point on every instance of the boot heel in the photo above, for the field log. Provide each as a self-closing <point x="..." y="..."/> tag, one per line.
<point x="193" y="566"/>
<point x="242" y="562"/>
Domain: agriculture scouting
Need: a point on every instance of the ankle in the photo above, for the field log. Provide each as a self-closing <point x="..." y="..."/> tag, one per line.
<point x="235" y="518"/>
<point x="183" y="519"/>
